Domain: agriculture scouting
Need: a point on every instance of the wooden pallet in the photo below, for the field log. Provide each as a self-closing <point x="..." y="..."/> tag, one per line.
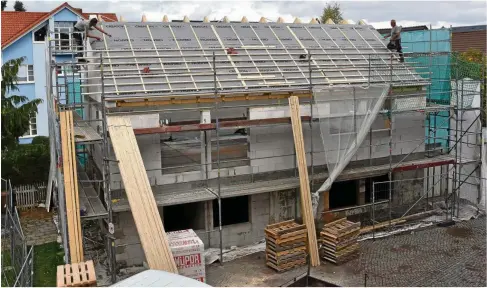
<point x="285" y="229"/>
<point x="279" y="248"/>
<point x="76" y="275"/>
<point x="343" y="259"/>
<point x="286" y="245"/>
<point x="286" y="252"/>
<point x="339" y="241"/>
<point x="340" y="228"/>
<point x="348" y="235"/>
<point x="289" y="240"/>
<point x="288" y="266"/>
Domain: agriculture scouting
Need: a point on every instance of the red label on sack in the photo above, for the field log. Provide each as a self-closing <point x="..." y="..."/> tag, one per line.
<point x="187" y="260"/>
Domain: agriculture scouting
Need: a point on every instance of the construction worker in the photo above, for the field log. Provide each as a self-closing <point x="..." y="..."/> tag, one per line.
<point x="85" y="26"/>
<point x="395" y="42"/>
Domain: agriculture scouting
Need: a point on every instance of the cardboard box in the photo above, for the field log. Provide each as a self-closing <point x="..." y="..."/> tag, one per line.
<point x="188" y="252"/>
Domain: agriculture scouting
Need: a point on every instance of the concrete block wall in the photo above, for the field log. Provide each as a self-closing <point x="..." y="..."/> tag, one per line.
<point x="129" y="250"/>
<point x="408" y="133"/>
<point x="150" y="150"/>
<point x="407" y="191"/>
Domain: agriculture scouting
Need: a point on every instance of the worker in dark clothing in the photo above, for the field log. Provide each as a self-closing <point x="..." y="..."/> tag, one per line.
<point x="395" y="42"/>
<point x="85" y="26"/>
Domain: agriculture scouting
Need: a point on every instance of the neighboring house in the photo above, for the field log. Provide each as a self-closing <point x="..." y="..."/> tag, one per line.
<point x="466" y="37"/>
<point x="25" y="34"/>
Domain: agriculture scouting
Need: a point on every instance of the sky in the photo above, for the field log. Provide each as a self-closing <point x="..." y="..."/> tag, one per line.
<point x="376" y="13"/>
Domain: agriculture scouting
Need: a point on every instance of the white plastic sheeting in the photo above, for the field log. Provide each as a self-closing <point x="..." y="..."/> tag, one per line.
<point x="213" y="254"/>
<point x="345" y="118"/>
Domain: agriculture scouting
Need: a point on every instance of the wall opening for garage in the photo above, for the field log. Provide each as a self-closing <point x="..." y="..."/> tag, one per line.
<point x="184" y="216"/>
<point x="343" y="194"/>
<point x="234" y="210"/>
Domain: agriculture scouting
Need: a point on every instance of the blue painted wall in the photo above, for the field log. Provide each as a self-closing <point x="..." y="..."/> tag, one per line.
<point x="65" y="15"/>
<point x="40" y="69"/>
<point x="20" y="48"/>
<point x="29" y="91"/>
<point x="35" y="54"/>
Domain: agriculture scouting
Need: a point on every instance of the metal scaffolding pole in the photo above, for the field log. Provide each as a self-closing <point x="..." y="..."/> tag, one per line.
<point x="106" y="180"/>
<point x="218" y="159"/>
<point x="311" y="121"/>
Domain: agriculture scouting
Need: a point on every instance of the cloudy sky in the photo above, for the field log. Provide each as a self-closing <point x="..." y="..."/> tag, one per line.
<point x="377" y="13"/>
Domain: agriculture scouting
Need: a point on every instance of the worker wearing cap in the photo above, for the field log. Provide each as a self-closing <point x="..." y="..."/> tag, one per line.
<point x="396" y="39"/>
<point x="85" y="26"/>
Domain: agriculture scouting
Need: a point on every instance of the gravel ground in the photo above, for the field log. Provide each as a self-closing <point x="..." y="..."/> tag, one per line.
<point x="435" y="256"/>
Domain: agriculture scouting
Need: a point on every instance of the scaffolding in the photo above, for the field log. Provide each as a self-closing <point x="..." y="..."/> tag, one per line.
<point x="100" y="91"/>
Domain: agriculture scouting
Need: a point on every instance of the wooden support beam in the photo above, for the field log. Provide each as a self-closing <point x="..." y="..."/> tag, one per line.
<point x="306" y="205"/>
<point x="328" y="217"/>
<point x="236" y="124"/>
<point x="147" y="102"/>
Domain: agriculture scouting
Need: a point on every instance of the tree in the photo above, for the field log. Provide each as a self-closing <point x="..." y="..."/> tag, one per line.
<point x="16" y="110"/>
<point x="4" y="5"/>
<point x="19" y="6"/>
<point x="332" y="11"/>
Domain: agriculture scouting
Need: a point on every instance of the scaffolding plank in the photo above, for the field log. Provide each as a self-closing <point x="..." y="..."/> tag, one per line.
<point x="71" y="186"/>
<point x="139" y="194"/>
<point x="306" y="207"/>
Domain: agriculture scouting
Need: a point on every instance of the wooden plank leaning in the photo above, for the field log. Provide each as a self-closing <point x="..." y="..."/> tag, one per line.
<point x="140" y="196"/>
<point x="70" y="187"/>
<point x="306" y="206"/>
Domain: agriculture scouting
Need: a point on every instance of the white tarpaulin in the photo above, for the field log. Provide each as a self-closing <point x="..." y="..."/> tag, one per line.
<point x="344" y="124"/>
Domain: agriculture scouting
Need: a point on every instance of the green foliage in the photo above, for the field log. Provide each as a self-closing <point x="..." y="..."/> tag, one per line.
<point x="19" y="6"/>
<point x="4" y="5"/>
<point x="332" y="11"/>
<point x="46" y="259"/>
<point x="16" y="110"/>
<point x="43" y="140"/>
<point x="472" y="64"/>
<point x="26" y="164"/>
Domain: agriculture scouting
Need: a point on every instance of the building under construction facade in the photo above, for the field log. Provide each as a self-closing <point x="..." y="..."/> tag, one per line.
<point x="208" y="104"/>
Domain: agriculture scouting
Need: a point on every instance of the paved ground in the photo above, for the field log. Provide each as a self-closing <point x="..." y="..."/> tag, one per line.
<point x="38" y="226"/>
<point x="435" y="256"/>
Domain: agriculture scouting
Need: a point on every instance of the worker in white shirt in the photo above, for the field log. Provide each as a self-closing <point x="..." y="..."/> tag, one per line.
<point x="395" y="42"/>
<point x="85" y="26"/>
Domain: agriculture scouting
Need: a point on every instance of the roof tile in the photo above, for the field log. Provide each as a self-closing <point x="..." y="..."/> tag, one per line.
<point x="14" y="23"/>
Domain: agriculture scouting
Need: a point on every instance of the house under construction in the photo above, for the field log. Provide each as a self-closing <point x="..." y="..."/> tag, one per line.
<point x="208" y="105"/>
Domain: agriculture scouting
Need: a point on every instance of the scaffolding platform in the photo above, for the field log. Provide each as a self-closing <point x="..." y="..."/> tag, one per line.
<point x="165" y="197"/>
<point x="83" y="132"/>
<point x="89" y="198"/>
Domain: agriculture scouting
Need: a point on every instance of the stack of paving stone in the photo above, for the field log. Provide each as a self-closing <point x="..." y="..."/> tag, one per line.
<point x="286" y="245"/>
<point x="339" y="241"/>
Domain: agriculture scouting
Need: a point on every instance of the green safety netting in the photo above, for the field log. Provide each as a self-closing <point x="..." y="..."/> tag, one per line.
<point x="436" y="40"/>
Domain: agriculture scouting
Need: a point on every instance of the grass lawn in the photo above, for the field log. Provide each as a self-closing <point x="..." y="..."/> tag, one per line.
<point x="46" y="259"/>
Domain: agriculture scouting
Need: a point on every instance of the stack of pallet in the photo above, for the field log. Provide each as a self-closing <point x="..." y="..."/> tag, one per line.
<point x="286" y="245"/>
<point x="339" y="241"/>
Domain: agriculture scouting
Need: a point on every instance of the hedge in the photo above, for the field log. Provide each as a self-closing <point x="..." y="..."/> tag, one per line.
<point x="28" y="163"/>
